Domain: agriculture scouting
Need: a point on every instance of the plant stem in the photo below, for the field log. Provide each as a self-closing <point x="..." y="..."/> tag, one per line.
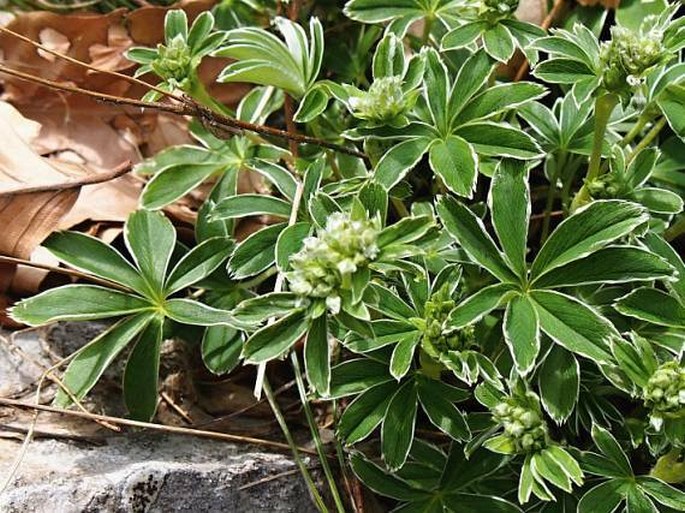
<point x="427" y="26"/>
<point x="604" y="106"/>
<point x="199" y="93"/>
<point x="647" y="140"/>
<point x="314" y="428"/>
<point x="551" y="194"/>
<point x="635" y="131"/>
<point x="676" y="230"/>
<point x="318" y="500"/>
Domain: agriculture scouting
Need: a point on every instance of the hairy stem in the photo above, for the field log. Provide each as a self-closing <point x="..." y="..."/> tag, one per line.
<point x="648" y="139"/>
<point x="604" y="106"/>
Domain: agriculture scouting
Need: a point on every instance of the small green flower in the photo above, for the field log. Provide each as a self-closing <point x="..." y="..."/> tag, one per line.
<point x="665" y="392"/>
<point x="630" y="55"/>
<point x="609" y="186"/>
<point x="383" y="102"/>
<point x="498" y="8"/>
<point x="327" y="262"/>
<point x="435" y="341"/>
<point x="173" y="62"/>
<point x="524" y="427"/>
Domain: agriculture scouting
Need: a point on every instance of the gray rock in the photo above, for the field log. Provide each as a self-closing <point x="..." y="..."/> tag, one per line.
<point x="151" y="473"/>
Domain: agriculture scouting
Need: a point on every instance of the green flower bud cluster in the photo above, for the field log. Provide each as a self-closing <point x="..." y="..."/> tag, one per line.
<point x="498" y="8"/>
<point x="384" y="101"/>
<point x="173" y="61"/>
<point x="524" y="426"/>
<point x="609" y="186"/>
<point x="629" y="55"/>
<point x="326" y="263"/>
<point x="435" y="341"/>
<point x="665" y="390"/>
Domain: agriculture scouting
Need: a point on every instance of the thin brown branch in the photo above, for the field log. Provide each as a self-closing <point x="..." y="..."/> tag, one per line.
<point x="63" y="270"/>
<point x="77" y="62"/>
<point x="189" y="108"/>
<point x="93" y="179"/>
<point x="552" y="15"/>
<point x="150" y="425"/>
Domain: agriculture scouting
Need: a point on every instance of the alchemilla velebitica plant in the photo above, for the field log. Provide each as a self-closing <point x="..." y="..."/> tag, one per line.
<point x="477" y="275"/>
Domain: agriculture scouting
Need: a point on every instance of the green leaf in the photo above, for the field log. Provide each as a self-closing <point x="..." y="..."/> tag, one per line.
<point x="405" y="231"/>
<point x="92" y="360"/>
<point x="199" y="263"/>
<point x="500" y="98"/>
<point x="652" y="305"/>
<point x="637" y="361"/>
<point x="455" y="162"/>
<point x="608" y="445"/>
<point x="276" y="174"/>
<point x="659" y="201"/>
<point x="468" y="230"/>
<point x="312" y="105"/>
<point x="549" y="470"/>
<point x="672" y="104"/>
<point x="76" y="303"/>
<point x="403" y="354"/>
<point x="618" y="264"/>
<point x="200" y="29"/>
<point x="221" y="348"/>
<point x="244" y="205"/>
<point x="603" y="498"/>
<point x="662" y="493"/>
<point x="574" y="325"/>
<point x="559" y="383"/>
<point x="258" y="309"/>
<point x="388" y="60"/>
<point x="586" y="231"/>
<point x="381" y="482"/>
<point x="638" y="502"/>
<point x="375" y="11"/>
<point x="142" y="372"/>
<point x="435" y="401"/>
<point x="436" y="81"/>
<point x="366" y="412"/>
<point x="463" y="35"/>
<point x="289" y="242"/>
<point x="478" y="305"/>
<point x="150" y="238"/>
<point x="256" y="253"/>
<point x="175" y="24"/>
<point x="174" y="182"/>
<point x="499" y="140"/>
<point x="498" y="43"/>
<point x="562" y="71"/>
<point x="188" y="311"/>
<point x="522" y="333"/>
<point x="356" y="376"/>
<point x="317" y="356"/>
<point x="473" y="503"/>
<point x="470" y="79"/>
<point x="565" y="461"/>
<point x="397" y="431"/>
<point x="91" y="255"/>
<point x="276" y="339"/>
<point x="399" y="160"/>
<point x="375" y="200"/>
<point x="510" y="207"/>
<point x="662" y="248"/>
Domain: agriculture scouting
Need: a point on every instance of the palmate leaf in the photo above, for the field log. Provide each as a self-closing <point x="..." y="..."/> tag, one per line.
<point x="275" y="339"/>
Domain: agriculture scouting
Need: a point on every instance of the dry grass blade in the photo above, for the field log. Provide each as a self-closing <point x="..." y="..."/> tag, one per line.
<point x="150" y="425"/>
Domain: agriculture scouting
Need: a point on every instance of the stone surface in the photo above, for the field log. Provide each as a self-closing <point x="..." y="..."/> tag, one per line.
<point x="74" y="466"/>
<point x="151" y="473"/>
